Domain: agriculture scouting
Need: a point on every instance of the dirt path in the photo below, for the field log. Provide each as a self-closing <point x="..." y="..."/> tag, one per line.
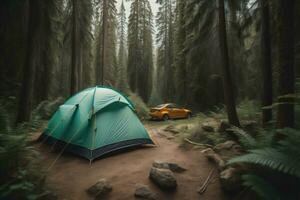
<point x="71" y="175"/>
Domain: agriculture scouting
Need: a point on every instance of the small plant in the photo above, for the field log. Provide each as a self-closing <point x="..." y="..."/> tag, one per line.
<point x="141" y="108"/>
<point x="276" y="159"/>
<point x="21" y="176"/>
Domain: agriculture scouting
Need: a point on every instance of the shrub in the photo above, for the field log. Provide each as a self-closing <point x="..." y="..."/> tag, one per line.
<point x="280" y="162"/>
<point x="20" y="172"/>
<point x="141" y="108"/>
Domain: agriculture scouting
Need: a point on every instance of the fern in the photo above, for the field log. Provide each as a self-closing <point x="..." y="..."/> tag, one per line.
<point x="261" y="187"/>
<point x="273" y="159"/>
<point x="19" y="169"/>
<point x="246" y="140"/>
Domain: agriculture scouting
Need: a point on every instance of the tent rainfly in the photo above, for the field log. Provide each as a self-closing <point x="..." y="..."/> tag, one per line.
<point x="94" y="122"/>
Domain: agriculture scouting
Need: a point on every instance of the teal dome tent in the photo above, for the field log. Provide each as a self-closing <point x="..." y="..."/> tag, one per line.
<point x="94" y="122"/>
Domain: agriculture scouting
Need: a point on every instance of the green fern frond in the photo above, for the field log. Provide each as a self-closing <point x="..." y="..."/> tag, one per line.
<point x="273" y="159"/>
<point x="261" y="187"/>
<point x="246" y="140"/>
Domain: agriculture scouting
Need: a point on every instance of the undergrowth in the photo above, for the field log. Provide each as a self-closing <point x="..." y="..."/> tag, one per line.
<point x="142" y="109"/>
<point x="21" y="174"/>
<point x="277" y="175"/>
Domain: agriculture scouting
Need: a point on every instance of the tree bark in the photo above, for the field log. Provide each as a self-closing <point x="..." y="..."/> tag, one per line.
<point x="286" y="81"/>
<point x="74" y="62"/>
<point x="266" y="62"/>
<point x="26" y="94"/>
<point x="104" y="30"/>
<point x="227" y="81"/>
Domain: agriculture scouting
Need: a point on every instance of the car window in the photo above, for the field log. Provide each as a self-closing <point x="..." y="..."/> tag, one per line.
<point x="171" y="106"/>
<point x="160" y="106"/>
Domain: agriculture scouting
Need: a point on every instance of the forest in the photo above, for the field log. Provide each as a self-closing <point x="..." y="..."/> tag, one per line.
<point x="234" y="65"/>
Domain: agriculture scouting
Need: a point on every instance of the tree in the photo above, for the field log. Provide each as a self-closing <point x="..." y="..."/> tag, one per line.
<point x="106" y="59"/>
<point x="286" y="79"/>
<point x="165" y="41"/>
<point x="26" y="94"/>
<point x="227" y="81"/>
<point x="122" y="53"/>
<point x="80" y="34"/>
<point x="267" y="94"/>
<point x="140" y="55"/>
<point x="180" y="58"/>
<point x="75" y="65"/>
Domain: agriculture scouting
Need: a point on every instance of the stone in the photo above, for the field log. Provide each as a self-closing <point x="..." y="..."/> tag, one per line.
<point x="100" y="189"/>
<point x="160" y="164"/>
<point x="211" y="155"/>
<point x="230" y="179"/>
<point x="225" y="146"/>
<point x="144" y="192"/>
<point x="163" y="178"/>
<point x="171" y="129"/>
<point x="174" y="167"/>
<point x="208" y="128"/>
<point x="228" y="150"/>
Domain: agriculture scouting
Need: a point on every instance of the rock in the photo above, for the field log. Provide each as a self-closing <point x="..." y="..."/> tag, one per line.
<point x="160" y="164"/>
<point x="176" y="168"/>
<point x="225" y="146"/>
<point x="170" y="137"/>
<point x="211" y="155"/>
<point x="166" y="165"/>
<point x="230" y="179"/>
<point x="208" y="128"/>
<point x="143" y="192"/>
<point x="100" y="189"/>
<point x="171" y="129"/>
<point x="224" y="125"/>
<point x="228" y="149"/>
<point x="163" y="178"/>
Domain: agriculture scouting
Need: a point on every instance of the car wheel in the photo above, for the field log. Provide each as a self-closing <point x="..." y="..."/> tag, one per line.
<point x="189" y="115"/>
<point x="166" y="117"/>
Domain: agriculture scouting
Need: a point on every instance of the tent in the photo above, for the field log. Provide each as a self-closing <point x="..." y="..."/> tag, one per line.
<point x="94" y="122"/>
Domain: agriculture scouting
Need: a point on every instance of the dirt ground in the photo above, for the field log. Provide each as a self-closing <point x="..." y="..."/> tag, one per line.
<point x="70" y="176"/>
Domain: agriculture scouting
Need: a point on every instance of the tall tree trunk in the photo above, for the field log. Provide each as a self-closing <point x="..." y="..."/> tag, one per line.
<point x="138" y="53"/>
<point x="104" y="30"/>
<point x="227" y="81"/>
<point x="285" y="115"/>
<point x="266" y="62"/>
<point x="75" y="56"/>
<point x="26" y="95"/>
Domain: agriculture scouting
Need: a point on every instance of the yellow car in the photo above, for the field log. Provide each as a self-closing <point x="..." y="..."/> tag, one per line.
<point x="169" y="111"/>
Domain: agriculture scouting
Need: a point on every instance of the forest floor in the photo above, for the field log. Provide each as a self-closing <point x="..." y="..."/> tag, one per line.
<point x="71" y="176"/>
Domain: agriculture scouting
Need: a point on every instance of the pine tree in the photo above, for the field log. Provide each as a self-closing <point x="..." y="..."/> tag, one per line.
<point x="267" y="94"/>
<point x="106" y="58"/>
<point x="122" y="53"/>
<point x="81" y="31"/>
<point x="285" y="30"/>
<point x="180" y="81"/>
<point x="165" y="41"/>
<point x="140" y="55"/>
<point x="227" y="80"/>
<point x="26" y="94"/>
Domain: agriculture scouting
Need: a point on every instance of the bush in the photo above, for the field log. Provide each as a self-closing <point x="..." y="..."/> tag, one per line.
<point x="142" y="109"/>
<point x="277" y="161"/>
<point x="21" y="175"/>
<point x="46" y="109"/>
<point x="198" y="135"/>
